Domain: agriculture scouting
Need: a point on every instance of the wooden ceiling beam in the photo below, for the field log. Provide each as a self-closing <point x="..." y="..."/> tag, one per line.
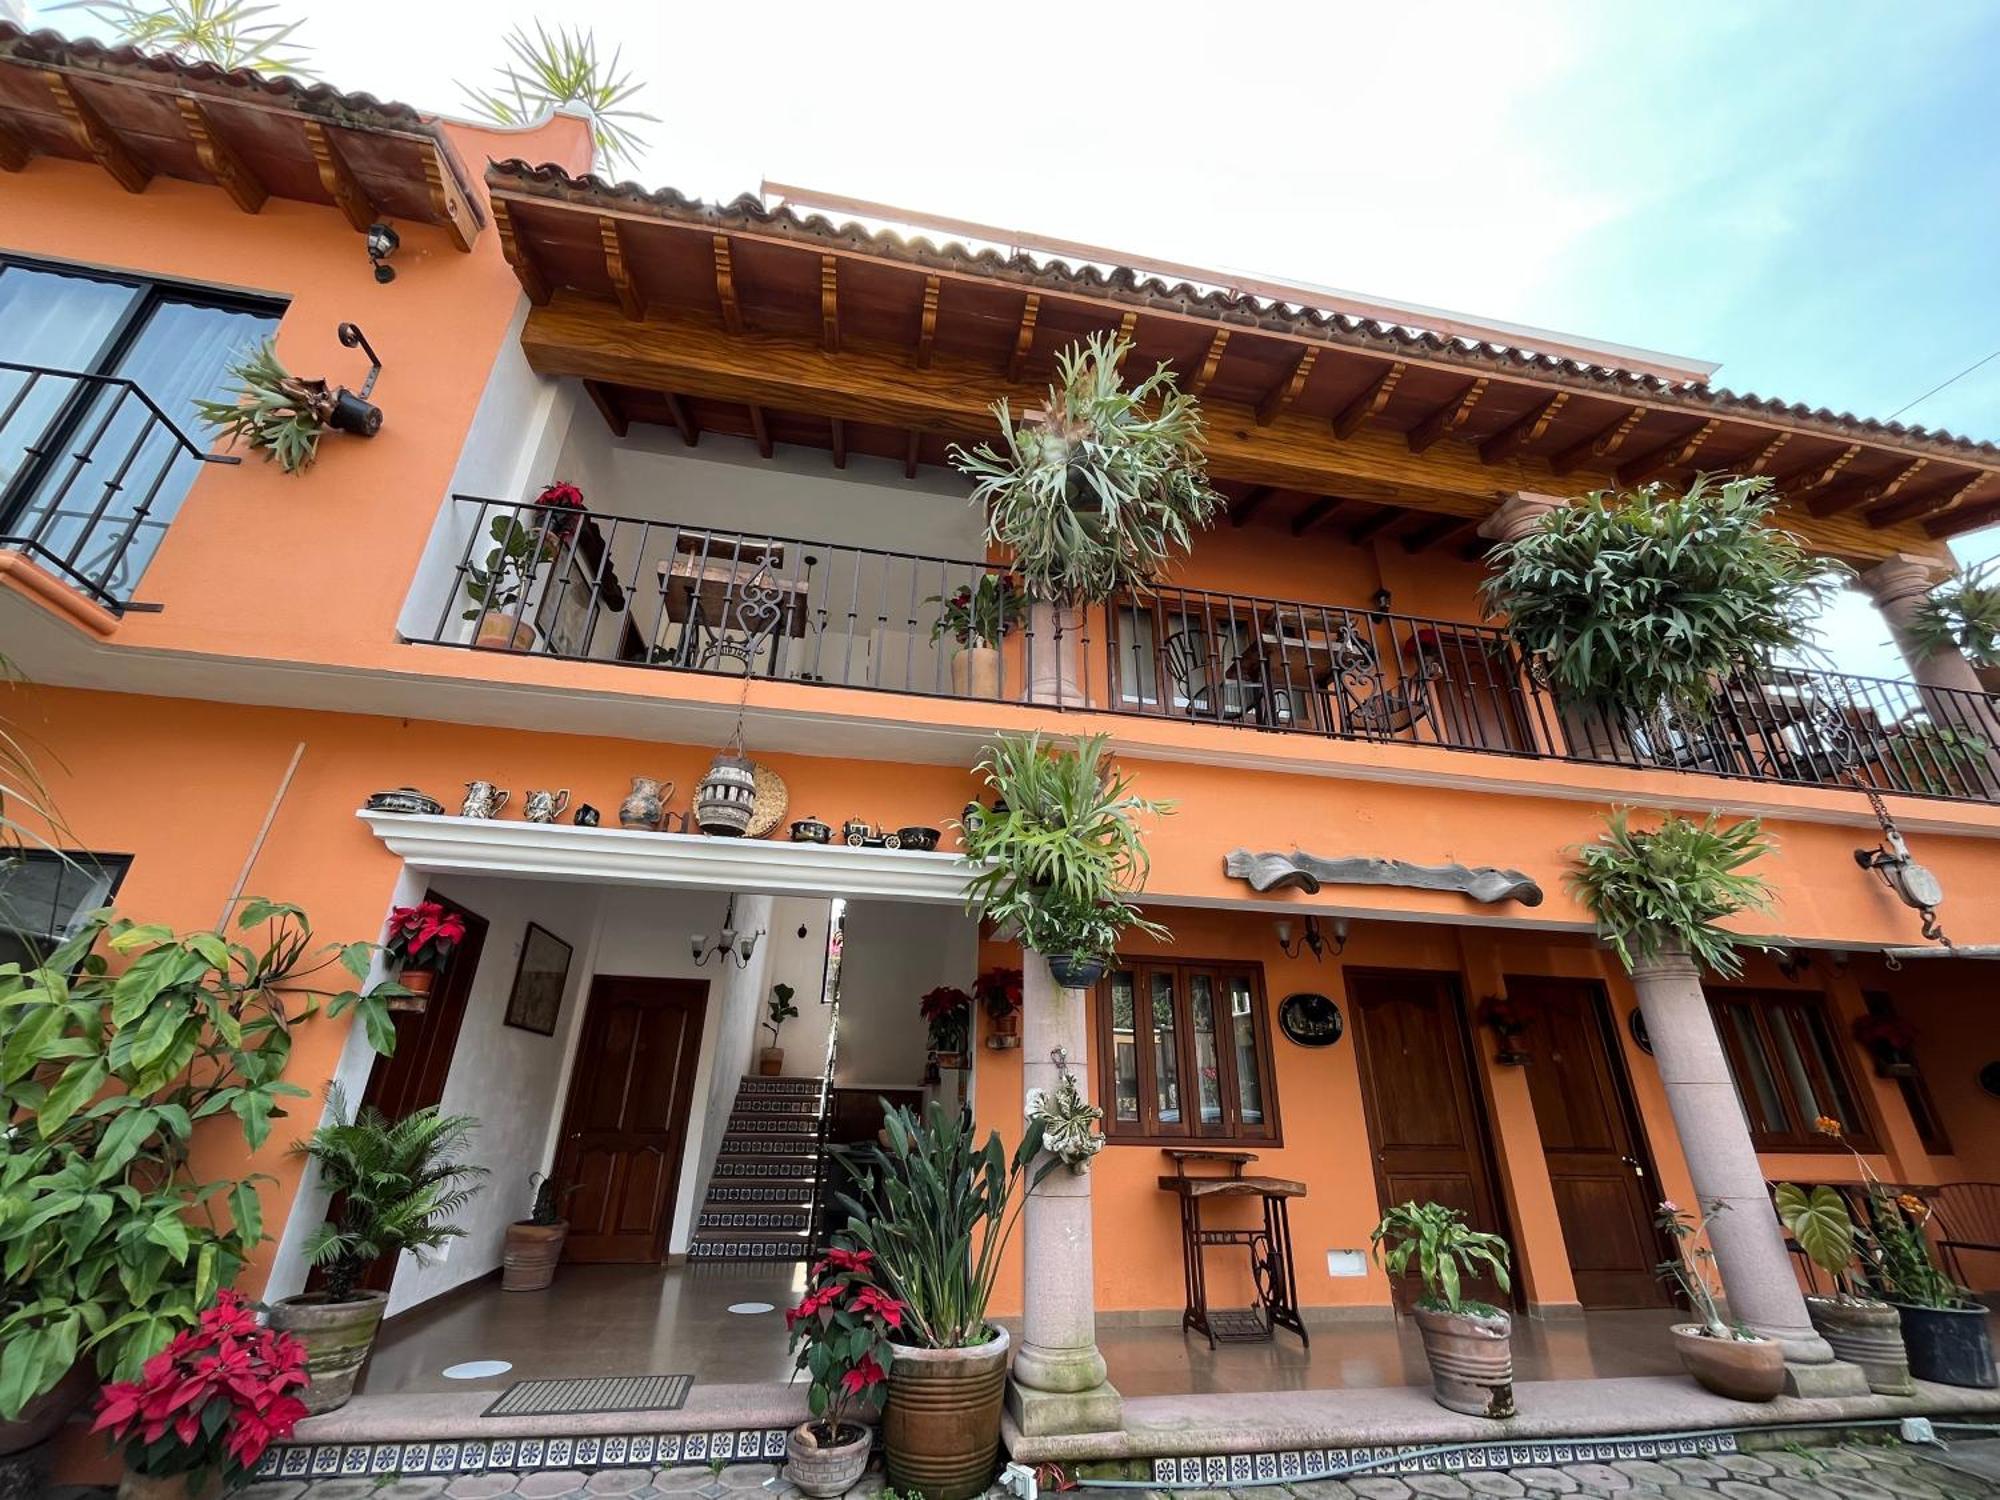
<point x="447" y="201"/>
<point x="1369" y="404"/>
<point x="829" y="304"/>
<point x="1817" y="475"/>
<point x="1210" y="362"/>
<point x="619" y="270"/>
<point x="1761" y="464"/>
<point x="682" y="418"/>
<point x="1853" y="495"/>
<point x="1437" y="532"/>
<point x="104" y="145"/>
<point x="340" y="183"/>
<point x="1254" y="499"/>
<point x="1603" y="443"/>
<point x="1447" y="419"/>
<point x="1320" y="510"/>
<point x="219" y="159"/>
<point x="725" y="285"/>
<point x="1937" y="503"/>
<point x="1963" y="518"/>
<point x="1024" y="338"/>
<point x="1385" y="516"/>
<point x="760" y="430"/>
<point x="14" y="150"/>
<point x="1527" y="429"/>
<point x="911" y="453"/>
<point x="607" y="408"/>
<point x="927" y="329"/>
<point x="1669" y="455"/>
<point x="519" y="256"/>
<point x="1286" y="391"/>
<point x="839" y="435"/>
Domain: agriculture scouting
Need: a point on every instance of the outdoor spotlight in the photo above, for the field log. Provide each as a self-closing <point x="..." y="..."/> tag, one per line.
<point x="382" y="243"/>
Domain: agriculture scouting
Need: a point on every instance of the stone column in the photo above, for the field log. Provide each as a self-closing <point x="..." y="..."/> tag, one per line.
<point x="1058" y="1383"/>
<point x="1519" y="514"/>
<point x="1757" y="1276"/>
<point x="1898" y="586"/>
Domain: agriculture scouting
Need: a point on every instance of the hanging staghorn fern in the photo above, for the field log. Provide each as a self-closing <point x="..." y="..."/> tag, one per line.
<point x="1962" y="614"/>
<point x="1651" y="891"/>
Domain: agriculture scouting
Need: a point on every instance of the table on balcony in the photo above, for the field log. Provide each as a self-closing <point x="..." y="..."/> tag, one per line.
<point x="717" y="587"/>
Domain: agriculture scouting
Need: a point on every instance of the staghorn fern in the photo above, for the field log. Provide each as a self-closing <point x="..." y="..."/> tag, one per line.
<point x="270" y="410"/>
<point x="1962" y="614"/>
<point x="1651" y="891"/>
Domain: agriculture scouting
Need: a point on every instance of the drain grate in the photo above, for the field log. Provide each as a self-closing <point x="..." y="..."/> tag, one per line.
<point x="599" y="1393"/>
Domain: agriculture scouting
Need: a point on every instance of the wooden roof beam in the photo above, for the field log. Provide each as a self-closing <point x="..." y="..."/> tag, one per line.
<point x="1962" y="518"/>
<point x="1669" y="455"/>
<point x="1910" y="507"/>
<point x="14" y="151"/>
<point x="1369" y="404"/>
<point x="829" y="304"/>
<point x="1449" y="418"/>
<point x="1846" y="497"/>
<point x="1024" y="340"/>
<point x="682" y="418"/>
<point x="1761" y="464"/>
<point x="927" y="331"/>
<point x="1254" y="499"/>
<point x="1385" y="516"/>
<point x="619" y="271"/>
<point x="1603" y="443"/>
<point x="1286" y="391"/>
<point x="607" y="408"/>
<point x="1209" y="362"/>
<point x="519" y="256"/>
<point x="1321" y="509"/>
<point x="447" y="201"/>
<point x="911" y="453"/>
<point x="341" y="185"/>
<point x="88" y="130"/>
<point x="219" y="159"/>
<point x="839" y="435"/>
<point x="1437" y="532"/>
<point x="725" y="285"/>
<point x="1817" y="475"/>
<point x="1527" y="429"/>
<point x="760" y="430"/>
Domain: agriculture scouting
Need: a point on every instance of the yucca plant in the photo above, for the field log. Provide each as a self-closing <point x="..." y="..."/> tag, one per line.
<point x="1645" y="602"/>
<point x="1652" y="891"/>
<point x="550" y="70"/>
<point x="1962" y="614"/>
<point x="228" y="33"/>
<point x="1095" y="494"/>
<point x="270" y="410"/>
<point x="396" y="1186"/>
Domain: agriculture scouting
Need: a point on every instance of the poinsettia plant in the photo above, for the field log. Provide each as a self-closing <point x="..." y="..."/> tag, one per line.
<point x="999" y="990"/>
<point x="422" y="936"/>
<point x="947" y="1010"/>
<point x="212" y="1401"/>
<point x="840" y="1336"/>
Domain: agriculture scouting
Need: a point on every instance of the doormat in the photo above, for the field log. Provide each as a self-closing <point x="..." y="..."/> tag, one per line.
<point x="603" y="1393"/>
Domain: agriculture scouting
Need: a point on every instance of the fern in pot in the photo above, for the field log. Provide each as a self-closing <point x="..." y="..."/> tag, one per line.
<point x="1962" y="614"/>
<point x="1467" y="1341"/>
<point x="1058" y="857"/>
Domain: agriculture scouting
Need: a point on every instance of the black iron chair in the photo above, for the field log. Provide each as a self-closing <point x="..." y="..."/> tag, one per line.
<point x="1199" y="674"/>
<point x="1967" y="1220"/>
<point x="1365" y="705"/>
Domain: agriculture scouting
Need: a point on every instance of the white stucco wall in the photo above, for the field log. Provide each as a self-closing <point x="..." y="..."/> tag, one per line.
<point x="895" y="952"/>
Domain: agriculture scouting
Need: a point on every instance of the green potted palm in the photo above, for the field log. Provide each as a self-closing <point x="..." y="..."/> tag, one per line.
<point x="777" y="1010"/>
<point x="1059" y="854"/>
<point x="1467" y="1341"/>
<point x="979" y="616"/>
<point x="395" y="1186"/>
<point x="1723" y="1357"/>
<point x="1861" y="1329"/>
<point x="933" y="1209"/>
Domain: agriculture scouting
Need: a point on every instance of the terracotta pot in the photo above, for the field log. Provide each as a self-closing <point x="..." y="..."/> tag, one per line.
<point x="1868" y="1334"/>
<point x="337" y="1336"/>
<point x="418" y="982"/>
<point x="499" y="632"/>
<point x="528" y="1258"/>
<point x="1950" y="1345"/>
<point x="771" y="1062"/>
<point x="825" y="1472"/>
<point x="1741" y="1369"/>
<point x="44" y="1415"/>
<point x="1472" y="1360"/>
<point x="133" y="1486"/>
<point x="942" y="1423"/>
<point x="950" y="1060"/>
<point x="975" y="673"/>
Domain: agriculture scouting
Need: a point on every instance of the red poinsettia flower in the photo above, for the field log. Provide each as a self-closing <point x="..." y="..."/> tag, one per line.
<point x="874" y="1300"/>
<point x="858" y="1261"/>
<point x="569" y="502"/>
<point x="944" y="1002"/>
<point x="422" y="936"/>
<point x="865" y="1376"/>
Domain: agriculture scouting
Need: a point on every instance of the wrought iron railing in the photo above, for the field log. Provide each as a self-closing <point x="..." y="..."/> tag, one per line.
<point x="703" y="598"/>
<point x="91" y="472"/>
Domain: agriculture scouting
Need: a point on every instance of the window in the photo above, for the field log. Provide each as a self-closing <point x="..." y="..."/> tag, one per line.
<point x="89" y="475"/>
<point x="44" y="898"/>
<point x="1788" y="1069"/>
<point x="1184" y="1051"/>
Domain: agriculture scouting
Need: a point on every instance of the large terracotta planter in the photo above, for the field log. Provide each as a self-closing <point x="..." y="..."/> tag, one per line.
<point x="44" y="1415"/>
<point x="1950" y="1345"/>
<point x="499" y="632"/>
<point x="975" y="673"/>
<point x="1472" y="1360"/>
<point x="1741" y="1369"/>
<point x="942" y="1423"/>
<point x="337" y="1336"/>
<point x="528" y="1258"/>
<point x="1868" y="1334"/>
<point x="825" y="1472"/>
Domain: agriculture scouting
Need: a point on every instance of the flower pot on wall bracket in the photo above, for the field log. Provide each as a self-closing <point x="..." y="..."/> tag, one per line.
<point x="1073" y="972"/>
<point x="418" y="982"/>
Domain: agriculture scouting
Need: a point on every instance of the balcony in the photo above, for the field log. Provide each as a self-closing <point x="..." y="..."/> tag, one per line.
<point x="663" y="595"/>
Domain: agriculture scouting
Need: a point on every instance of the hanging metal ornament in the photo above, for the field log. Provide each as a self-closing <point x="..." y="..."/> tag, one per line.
<point x="1914" y="885"/>
<point x="725" y="799"/>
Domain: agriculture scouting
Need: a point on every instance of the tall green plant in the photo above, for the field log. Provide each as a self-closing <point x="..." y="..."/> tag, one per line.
<point x="1962" y="614"/>
<point x="936" y="1210"/>
<point x="1651" y="891"/>
<point x="1646" y="601"/>
<point x="1062" y="852"/>
<point x="395" y="1183"/>
<point x="550" y="70"/>
<point x="1095" y="494"/>
<point x="109" y="1242"/>
<point x="228" y="33"/>
<point x="270" y="410"/>
<point x="1817" y="1219"/>
<point x="1446" y="1250"/>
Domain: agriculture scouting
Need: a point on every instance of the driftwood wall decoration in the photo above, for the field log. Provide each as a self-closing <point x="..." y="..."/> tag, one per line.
<point x="1308" y="872"/>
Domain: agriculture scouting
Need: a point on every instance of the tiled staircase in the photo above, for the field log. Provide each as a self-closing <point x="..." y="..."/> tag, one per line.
<point x="761" y="1195"/>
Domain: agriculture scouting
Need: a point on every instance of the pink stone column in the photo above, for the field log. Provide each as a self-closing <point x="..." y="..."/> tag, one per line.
<point x="1058" y="1383"/>
<point x="1757" y="1276"/>
<point x="1519" y="514"/>
<point x="1055" y="655"/>
<point x="1898" y="586"/>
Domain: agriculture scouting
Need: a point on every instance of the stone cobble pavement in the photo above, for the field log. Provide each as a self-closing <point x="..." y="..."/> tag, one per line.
<point x="1849" y="1472"/>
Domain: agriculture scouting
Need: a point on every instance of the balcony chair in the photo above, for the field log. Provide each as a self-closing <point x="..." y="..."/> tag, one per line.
<point x="1204" y="674"/>
<point x="1364" y="705"/>
<point x="1967" y="1218"/>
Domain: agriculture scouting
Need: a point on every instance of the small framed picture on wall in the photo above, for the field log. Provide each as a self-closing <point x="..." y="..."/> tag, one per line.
<point x="536" y="999"/>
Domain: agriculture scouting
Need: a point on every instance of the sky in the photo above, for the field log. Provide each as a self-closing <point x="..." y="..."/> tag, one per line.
<point x="1808" y="193"/>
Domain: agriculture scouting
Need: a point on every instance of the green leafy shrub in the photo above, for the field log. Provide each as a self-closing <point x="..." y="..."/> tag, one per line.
<point x="1653" y="891"/>
<point x="1447" y="1251"/>
<point x="1962" y="614"/>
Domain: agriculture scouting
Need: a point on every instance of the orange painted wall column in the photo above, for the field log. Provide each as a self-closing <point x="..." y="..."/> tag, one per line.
<point x="1908" y="1161"/>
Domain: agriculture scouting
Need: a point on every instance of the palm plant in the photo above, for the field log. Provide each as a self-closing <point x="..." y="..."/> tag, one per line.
<point x="1962" y="614"/>
<point x="1654" y="891"/>
<point x="1446" y="1249"/>
<point x="396" y="1187"/>
<point x="228" y="33"/>
<point x="1645" y="602"/>
<point x="551" y="70"/>
<point x="271" y="410"/>
<point x="1095" y="493"/>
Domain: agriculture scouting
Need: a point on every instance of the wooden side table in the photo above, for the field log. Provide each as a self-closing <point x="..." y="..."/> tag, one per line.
<point x="1269" y="1248"/>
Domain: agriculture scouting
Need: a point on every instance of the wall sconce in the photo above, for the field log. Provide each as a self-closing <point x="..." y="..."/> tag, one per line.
<point x="1311" y="940"/>
<point x="1791" y="962"/>
<point x="726" y="946"/>
<point x="1382" y="599"/>
<point x="382" y="243"/>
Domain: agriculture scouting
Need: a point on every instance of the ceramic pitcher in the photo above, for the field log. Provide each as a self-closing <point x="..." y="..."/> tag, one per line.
<point x="542" y="807"/>
<point x="482" y="800"/>
<point x="647" y="802"/>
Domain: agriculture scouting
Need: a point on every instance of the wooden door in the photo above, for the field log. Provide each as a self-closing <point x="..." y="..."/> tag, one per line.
<point x="1426" y="1121"/>
<point x="625" y="1124"/>
<point x="1605" y="1189"/>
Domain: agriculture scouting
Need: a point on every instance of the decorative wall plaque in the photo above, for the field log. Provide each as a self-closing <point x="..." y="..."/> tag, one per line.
<point x="1299" y="871"/>
<point x="1310" y="1020"/>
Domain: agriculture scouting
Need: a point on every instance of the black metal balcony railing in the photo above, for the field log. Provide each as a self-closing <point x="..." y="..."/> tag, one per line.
<point x="702" y="598"/>
<point x="91" y="472"/>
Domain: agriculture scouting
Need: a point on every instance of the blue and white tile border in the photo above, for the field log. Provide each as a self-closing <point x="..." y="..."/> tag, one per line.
<point x="1218" y="1471"/>
<point x="522" y="1455"/>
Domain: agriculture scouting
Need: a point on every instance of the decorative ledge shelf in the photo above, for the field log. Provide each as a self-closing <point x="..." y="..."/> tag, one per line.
<point x="623" y="856"/>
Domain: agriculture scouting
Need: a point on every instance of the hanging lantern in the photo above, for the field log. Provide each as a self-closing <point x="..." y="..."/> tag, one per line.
<point x="724" y="800"/>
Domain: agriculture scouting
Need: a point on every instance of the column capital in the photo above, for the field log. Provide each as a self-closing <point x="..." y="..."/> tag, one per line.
<point x="1518" y="514"/>
<point x="1902" y="578"/>
<point x="1671" y="962"/>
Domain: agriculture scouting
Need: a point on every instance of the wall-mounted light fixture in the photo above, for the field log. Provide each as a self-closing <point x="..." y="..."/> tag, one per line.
<point x="1311" y="939"/>
<point x="1382" y="599"/>
<point x="727" y="945"/>
<point x="382" y="243"/>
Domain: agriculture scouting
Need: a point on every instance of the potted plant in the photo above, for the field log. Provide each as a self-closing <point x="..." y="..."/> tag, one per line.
<point x="1944" y="1331"/>
<point x="979" y="616"/>
<point x="840" y="1335"/>
<point x="1862" y="1330"/>
<point x="1890" y="1040"/>
<point x="1069" y="1122"/>
<point x="947" y="1011"/>
<point x="1652" y="891"/>
<point x="419" y="940"/>
<point x="1468" y="1342"/>
<point x="777" y="1010"/>
<point x="499" y="588"/>
<point x="534" y="1245"/>
<point x="105" y="1076"/>
<point x="935" y="1209"/>
<point x="1059" y="853"/>
<point x="205" y="1408"/>
<point x="1000" y="992"/>
<point x="1730" y="1361"/>
<point x="395" y="1187"/>
<point x="275" y="413"/>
